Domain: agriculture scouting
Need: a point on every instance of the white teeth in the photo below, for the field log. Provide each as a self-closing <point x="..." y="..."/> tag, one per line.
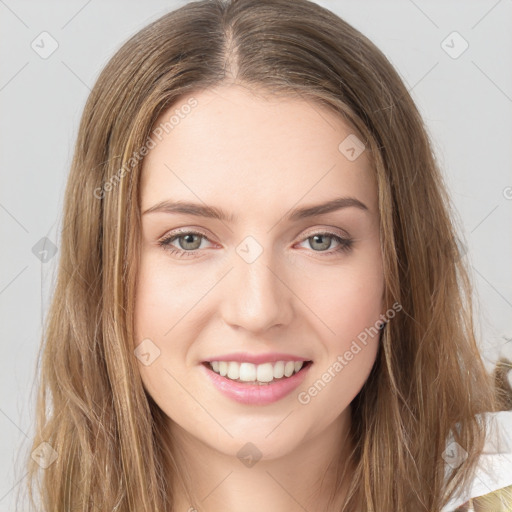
<point x="265" y="372"/>
<point x="262" y="373"/>
<point x="223" y="368"/>
<point x="279" y="370"/>
<point x="233" y="370"/>
<point x="288" y="368"/>
<point x="247" y="372"/>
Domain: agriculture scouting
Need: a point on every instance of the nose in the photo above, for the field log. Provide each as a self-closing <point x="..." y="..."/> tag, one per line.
<point x="256" y="294"/>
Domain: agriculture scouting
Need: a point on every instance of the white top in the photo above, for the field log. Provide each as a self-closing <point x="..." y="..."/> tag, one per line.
<point x="494" y="470"/>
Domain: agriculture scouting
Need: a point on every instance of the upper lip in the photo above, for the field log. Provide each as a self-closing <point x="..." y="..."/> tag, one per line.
<point x="245" y="357"/>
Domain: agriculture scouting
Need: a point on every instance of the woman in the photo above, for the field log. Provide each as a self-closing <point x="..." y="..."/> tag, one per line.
<point x="261" y="301"/>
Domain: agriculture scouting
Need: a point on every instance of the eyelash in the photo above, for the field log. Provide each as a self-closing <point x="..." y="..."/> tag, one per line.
<point x="345" y="243"/>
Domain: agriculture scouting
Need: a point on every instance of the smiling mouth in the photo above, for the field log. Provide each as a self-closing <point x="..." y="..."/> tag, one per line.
<point x="261" y="374"/>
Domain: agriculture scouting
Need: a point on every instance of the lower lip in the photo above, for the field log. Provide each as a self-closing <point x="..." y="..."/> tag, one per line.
<point x="256" y="394"/>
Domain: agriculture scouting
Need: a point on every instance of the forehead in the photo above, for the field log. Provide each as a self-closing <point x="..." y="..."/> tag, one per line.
<point x="229" y="145"/>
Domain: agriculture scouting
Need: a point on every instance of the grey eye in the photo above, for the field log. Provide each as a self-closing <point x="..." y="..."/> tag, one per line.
<point x="190" y="244"/>
<point x="323" y="241"/>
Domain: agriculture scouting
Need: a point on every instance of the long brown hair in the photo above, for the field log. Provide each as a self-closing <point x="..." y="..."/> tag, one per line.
<point x="428" y="379"/>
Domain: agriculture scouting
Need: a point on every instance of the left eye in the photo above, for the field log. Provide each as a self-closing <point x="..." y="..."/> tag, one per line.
<point x="190" y="243"/>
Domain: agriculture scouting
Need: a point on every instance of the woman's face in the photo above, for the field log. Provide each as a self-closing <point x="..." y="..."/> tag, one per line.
<point x="264" y="284"/>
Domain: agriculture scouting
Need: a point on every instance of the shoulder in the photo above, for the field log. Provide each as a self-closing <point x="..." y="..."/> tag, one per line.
<point x="491" y="488"/>
<point x="495" y="501"/>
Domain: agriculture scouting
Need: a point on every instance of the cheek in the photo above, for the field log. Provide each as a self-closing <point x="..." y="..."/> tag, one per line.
<point x="160" y="303"/>
<point x="347" y="301"/>
<point x="163" y="298"/>
<point x="354" y="310"/>
<point x="351" y="310"/>
<point x="164" y="313"/>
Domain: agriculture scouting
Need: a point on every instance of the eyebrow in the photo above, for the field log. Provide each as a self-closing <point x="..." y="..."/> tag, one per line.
<point x="202" y="210"/>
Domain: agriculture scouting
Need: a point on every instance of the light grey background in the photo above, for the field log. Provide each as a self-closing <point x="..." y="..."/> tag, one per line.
<point x="466" y="103"/>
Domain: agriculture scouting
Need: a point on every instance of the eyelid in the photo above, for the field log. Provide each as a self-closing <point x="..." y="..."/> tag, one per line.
<point x="329" y="230"/>
<point x="184" y="231"/>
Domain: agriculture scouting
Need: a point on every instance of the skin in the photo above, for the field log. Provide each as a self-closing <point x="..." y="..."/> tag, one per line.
<point x="257" y="157"/>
